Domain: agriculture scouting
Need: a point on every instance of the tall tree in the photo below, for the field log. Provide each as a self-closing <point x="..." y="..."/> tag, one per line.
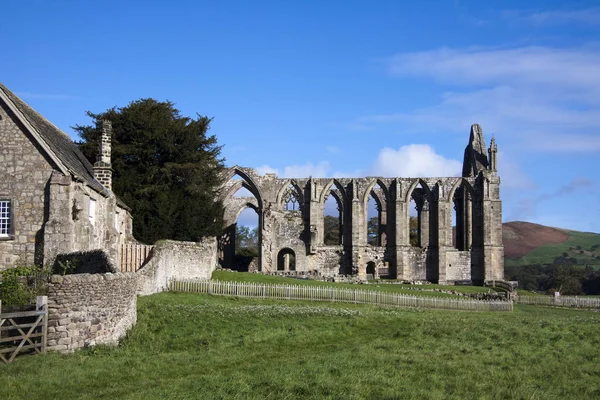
<point x="165" y="167"/>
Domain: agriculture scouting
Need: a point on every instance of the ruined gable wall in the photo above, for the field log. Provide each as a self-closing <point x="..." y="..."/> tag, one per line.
<point x="26" y="173"/>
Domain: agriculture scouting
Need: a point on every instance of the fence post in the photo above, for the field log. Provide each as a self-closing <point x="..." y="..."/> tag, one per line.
<point x="41" y="303"/>
<point x="210" y="287"/>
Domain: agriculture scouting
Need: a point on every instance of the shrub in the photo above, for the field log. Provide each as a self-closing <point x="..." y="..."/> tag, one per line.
<point x="19" y="286"/>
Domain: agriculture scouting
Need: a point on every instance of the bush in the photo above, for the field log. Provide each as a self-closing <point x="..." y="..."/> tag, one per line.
<point x="20" y="286"/>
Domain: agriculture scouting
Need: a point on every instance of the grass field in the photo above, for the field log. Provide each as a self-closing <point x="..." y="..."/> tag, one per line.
<point x="425" y="290"/>
<point x="188" y="346"/>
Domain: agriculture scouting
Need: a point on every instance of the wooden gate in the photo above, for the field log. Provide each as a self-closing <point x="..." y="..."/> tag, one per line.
<point x="133" y="256"/>
<point x="24" y="331"/>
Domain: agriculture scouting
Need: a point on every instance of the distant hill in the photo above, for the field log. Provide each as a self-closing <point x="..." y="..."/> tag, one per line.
<point x="528" y="243"/>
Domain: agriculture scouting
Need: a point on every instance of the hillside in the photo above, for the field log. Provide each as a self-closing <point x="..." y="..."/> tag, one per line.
<point x="528" y="243"/>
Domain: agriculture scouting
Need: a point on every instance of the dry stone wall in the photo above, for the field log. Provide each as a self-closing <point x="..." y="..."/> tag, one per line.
<point x="90" y="309"/>
<point x="173" y="259"/>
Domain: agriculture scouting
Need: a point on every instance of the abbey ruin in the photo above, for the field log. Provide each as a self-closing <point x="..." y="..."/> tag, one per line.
<point x="458" y="231"/>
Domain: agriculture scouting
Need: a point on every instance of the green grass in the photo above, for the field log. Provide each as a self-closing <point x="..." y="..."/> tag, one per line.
<point x="188" y="346"/>
<point x="383" y="287"/>
<point x="546" y="254"/>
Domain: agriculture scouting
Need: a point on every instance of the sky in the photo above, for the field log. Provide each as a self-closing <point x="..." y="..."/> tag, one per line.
<point x="340" y="88"/>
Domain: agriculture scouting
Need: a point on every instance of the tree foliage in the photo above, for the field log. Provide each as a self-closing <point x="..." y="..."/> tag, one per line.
<point x="165" y="167"/>
<point x="246" y="241"/>
<point x="565" y="277"/>
<point x="331" y="231"/>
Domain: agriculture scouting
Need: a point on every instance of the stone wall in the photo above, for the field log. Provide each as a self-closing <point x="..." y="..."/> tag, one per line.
<point x="75" y="225"/>
<point x="90" y="309"/>
<point x="459" y="265"/>
<point x="22" y="161"/>
<point x="183" y="260"/>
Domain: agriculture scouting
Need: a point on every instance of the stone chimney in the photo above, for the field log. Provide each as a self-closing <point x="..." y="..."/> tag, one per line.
<point x="102" y="167"/>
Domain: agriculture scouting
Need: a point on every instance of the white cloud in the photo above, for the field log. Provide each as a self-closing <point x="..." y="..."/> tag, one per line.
<point x="571" y="68"/>
<point x="333" y="149"/>
<point x="414" y="160"/>
<point x="536" y="98"/>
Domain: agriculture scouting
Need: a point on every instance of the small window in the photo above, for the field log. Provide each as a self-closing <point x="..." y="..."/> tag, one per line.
<point x="92" y="211"/>
<point x="117" y="221"/>
<point x="5" y="218"/>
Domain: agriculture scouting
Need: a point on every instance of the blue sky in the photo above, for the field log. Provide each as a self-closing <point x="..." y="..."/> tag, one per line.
<point x="346" y="88"/>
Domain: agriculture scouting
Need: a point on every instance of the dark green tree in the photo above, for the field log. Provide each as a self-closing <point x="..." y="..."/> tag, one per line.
<point x="372" y="231"/>
<point x="165" y="167"/>
<point x="413" y="231"/>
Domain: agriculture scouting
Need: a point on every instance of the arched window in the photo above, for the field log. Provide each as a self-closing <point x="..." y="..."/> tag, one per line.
<point x="292" y="199"/>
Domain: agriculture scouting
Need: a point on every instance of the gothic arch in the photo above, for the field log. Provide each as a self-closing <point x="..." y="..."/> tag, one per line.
<point x="247" y="182"/>
<point x="412" y="187"/>
<point x="327" y="189"/>
<point x="384" y="189"/>
<point x="282" y="190"/>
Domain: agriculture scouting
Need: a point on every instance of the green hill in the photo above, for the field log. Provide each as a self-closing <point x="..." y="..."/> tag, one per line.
<point x="526" y="243"/>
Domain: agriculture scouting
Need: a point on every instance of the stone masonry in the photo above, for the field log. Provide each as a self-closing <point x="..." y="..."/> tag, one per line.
<point x="291" y="222"/>
<point x="90" y="309"/>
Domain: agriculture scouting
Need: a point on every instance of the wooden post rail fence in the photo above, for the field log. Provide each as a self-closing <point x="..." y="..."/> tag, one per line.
<point x="328" y="293"/>
<point x="560" y="301"/>
<point x="24" y="331"/>
<point x="133" y="256"/>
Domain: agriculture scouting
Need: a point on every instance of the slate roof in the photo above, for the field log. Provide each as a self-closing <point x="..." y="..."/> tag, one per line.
<point x="60" y="144"/>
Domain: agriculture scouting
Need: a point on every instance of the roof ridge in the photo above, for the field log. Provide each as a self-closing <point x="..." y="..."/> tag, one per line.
<point x="59" y="145"/>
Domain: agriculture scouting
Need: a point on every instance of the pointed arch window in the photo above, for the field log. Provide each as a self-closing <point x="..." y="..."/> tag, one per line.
<point x="291" y="199"/>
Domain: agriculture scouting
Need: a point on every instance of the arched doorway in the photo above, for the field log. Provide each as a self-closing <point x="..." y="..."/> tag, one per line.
<point x="286" y="260"/>
<point x="371" y="268"/>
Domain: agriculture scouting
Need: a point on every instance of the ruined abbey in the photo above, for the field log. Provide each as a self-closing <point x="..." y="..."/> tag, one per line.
<point x="457" y="237"/>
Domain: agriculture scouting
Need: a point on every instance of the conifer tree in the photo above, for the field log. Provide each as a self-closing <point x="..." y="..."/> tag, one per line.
<point x="165" y="167"/>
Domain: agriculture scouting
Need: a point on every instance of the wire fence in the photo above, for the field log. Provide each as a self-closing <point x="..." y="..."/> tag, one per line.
<point x="333" y="294"/>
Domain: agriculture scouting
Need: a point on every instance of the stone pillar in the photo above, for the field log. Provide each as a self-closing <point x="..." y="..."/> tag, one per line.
<point x="468" y="220"/>
<point x="444" y="236"/>
<point x="399" y="232"/>
<point x="316" y="216"/>
<point x="424" y="224"/>
<point x="382" y="234"/>
<point x="358" y="233"/>
<point x="493" y="248"/>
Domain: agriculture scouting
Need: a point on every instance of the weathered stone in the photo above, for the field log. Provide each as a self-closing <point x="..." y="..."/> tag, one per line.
<point x="291" y="217"/>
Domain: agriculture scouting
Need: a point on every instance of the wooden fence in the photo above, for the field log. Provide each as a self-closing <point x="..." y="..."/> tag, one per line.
<point x="133" y="256"/>
<point x="560" y="301"/>
<point x="24" y="331"/>
<point x="328" y="293"/>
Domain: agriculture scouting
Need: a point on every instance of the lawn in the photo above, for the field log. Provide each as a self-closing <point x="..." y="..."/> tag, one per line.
<point x="189" y="346"/>
<point x="414" y="290"/>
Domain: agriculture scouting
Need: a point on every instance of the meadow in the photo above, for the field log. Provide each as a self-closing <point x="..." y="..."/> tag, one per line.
<point x="189" y="346"/>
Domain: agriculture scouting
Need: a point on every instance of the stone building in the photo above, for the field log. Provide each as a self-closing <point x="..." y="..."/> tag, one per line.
<point x="52" y="200"/>
<point x="458" y="233"/>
